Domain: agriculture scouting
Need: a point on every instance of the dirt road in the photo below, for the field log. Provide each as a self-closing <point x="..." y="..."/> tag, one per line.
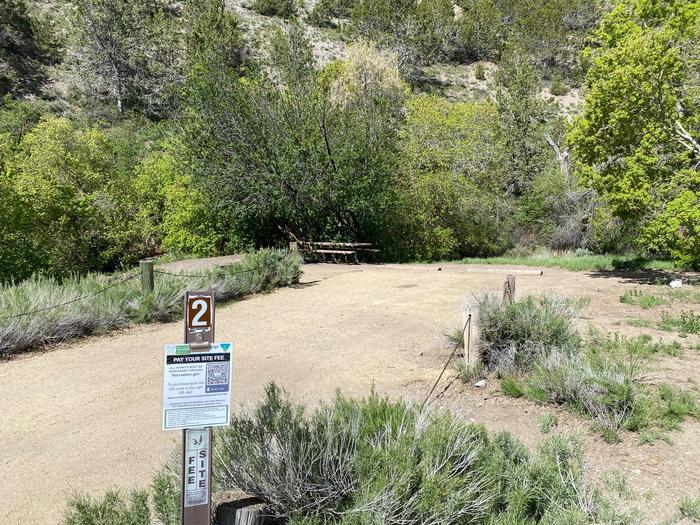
<point x="86" y="416"/>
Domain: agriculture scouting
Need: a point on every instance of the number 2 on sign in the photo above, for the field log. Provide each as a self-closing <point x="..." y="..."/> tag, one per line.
<point x="202" y="306"/>
<point x="199" y="314"/>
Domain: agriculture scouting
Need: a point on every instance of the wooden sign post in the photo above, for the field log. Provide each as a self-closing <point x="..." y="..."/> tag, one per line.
<point x="195" y="502"/>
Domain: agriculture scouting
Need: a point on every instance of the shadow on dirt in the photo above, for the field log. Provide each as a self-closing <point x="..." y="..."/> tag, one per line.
<point x="662" y="277"/>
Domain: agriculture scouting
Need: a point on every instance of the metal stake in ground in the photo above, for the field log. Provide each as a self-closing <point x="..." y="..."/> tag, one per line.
<point x="195" y="503"/>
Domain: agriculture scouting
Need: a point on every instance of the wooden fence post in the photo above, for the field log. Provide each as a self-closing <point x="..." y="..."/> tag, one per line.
<point x="147" y="278"/>
<point x="509" y="289"/>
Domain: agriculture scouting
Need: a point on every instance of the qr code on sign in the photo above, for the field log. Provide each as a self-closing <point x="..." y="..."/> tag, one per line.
<point x="217" y="377"/>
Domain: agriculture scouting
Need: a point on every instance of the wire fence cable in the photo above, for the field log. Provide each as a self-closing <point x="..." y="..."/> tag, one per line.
<point x="92" y="294"/>
<point x="104" y="289"/>
<point x="467" y="324"/>
<point x="204" y="275"/>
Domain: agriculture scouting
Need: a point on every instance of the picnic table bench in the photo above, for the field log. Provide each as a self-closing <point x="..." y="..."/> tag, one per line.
<point x="321" y="251"/>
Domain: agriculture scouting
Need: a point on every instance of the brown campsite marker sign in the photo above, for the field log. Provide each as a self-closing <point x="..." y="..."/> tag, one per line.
<point x="199" y="318"/>
<point x="195" y="503"/>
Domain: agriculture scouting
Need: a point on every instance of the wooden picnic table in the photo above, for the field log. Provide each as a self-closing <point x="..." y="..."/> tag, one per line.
<point x="316" y="250"/>
<point x="342" y="244"/>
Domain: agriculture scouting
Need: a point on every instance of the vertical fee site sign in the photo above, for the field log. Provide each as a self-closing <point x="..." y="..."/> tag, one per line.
<point x="196" y="397"/>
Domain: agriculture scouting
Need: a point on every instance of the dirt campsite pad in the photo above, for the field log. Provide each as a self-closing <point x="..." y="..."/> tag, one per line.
<point x="86" y="416"/>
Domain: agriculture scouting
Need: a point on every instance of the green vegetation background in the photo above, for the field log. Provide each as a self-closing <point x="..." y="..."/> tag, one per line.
<point x="134" y="128"/>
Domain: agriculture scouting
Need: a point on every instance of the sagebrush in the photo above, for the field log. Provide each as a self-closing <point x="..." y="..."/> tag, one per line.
<point x="124" y="304"/>
<point x="372" y="461"/>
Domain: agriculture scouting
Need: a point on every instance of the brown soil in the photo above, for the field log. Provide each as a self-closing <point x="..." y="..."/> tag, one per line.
<point x="86" y="416"/>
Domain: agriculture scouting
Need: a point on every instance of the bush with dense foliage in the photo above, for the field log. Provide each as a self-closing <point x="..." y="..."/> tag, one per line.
<point x="298" y="151"/>
<point x="639" y="147"/>
<point x="373" y="461"/>
<point x="452" y="179"/>
<point x="512" y="335"/>
<point x="70" y="198"/>
<point x="281" y="8"/>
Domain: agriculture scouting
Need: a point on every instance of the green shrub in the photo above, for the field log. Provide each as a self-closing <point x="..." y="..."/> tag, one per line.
<point x="513" y="335"/>
<point x="603" y="382"/>
<point x="470" y="372"/>
<point x="558" y="87"/>
<point x="112" y="509"/>
<point x="175" y="214"/>
<point x="373" y="461"/>
<point x="70" y="199"/>
<point x="638" y="297"/>
<point x="480" y="71"/>
<point x="641" y="346"/>
<point x="281" y="8"/>
<point x="326" y="10"/>
<point x="689" y="508"/>
<point x="688" y="322"/>
<point x="444" y="216"/>
<point x="124" y="304"/>
<point x="547" y="422"/>
<point x="510" y="387"/>
<point x="165" y="488"/>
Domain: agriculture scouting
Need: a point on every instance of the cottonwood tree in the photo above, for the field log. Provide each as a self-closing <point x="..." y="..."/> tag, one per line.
<point x="452" y="179"/>
<point x="637" y="138"/>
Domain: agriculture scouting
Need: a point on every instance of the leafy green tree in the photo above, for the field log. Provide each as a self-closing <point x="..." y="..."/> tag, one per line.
<point x="124" y="54"/>
<point x="22" y="56"/>
<point x="69" y="199"/>
<point x="551" y="33"/>
<point x="523" y="117"/>
<point x="281" y="8"/>
<point x="302" y="152"/>
<point x="481" y="29"/>
<point x="176" y="215"/>
<point x="637" y="139"/>
<point x="453" y="183"/>
<point x="213" y="35"/>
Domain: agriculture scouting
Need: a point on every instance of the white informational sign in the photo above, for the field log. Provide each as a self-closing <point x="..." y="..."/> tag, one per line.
<point x="197" y="386"/>
<point x="196" y="472"/>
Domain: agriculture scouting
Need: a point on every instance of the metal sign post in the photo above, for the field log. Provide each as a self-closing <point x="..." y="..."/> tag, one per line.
<point x="195" y="501"/>
<point x="197" y="378"/>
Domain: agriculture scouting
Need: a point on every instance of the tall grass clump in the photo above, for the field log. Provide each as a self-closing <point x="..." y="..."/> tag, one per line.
<point x="688" y="322"/>
<point x="533" y="345"/>
<point x="123" y="304"/>
<point x="111" y="509"/>
<point x="512" y="335"/>
<point x="638" y="297"/>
